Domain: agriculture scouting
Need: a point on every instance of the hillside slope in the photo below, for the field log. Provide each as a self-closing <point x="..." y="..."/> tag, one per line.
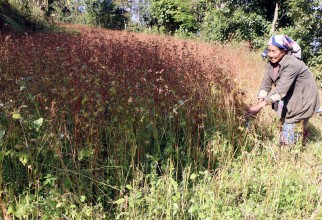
<point x="108" y="124"/>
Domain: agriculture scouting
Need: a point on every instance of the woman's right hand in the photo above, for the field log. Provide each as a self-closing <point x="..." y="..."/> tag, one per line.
<point x="253" y="110"/>
<point x="260" y="100"/>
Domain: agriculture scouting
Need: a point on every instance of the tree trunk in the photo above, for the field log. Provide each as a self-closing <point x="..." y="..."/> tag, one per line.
<point x="274" y="19"/>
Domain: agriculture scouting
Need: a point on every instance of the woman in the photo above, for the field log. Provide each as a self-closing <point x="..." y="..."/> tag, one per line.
<point x="295" y="95"/>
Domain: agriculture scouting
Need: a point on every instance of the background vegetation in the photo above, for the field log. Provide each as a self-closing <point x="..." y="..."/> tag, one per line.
<point x="101" y="124"/>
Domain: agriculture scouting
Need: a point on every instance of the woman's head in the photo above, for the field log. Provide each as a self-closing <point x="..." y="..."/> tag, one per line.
<point x="275" y="54"/>
<point x="279" y="45"/>
<point x="281" y="41"/>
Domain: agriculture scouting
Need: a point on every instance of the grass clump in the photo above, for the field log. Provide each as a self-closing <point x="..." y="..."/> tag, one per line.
<point x="253" y="186"/>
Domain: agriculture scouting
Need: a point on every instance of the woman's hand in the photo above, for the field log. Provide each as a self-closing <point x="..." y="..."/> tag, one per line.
<point x="253" y="110"/>
<point x="260" y="100"/>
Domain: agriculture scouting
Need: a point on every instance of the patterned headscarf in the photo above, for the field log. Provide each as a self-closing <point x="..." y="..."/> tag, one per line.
<point x="284" y="42"/>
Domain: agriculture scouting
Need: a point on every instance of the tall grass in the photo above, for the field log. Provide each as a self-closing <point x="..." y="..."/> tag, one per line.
<point x="101" y="124"/>
<point x="253" y="186"/>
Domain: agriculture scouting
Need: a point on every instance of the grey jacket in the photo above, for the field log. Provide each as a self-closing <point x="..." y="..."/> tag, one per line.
<point x="294" y="85"/>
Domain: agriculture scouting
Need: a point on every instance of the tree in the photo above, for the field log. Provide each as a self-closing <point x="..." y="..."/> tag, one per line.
<point x="275" y="18"/>
<point x="305" y="26"/>
<point x="233" y="23"/>
<point x="174" y="15"/>
<point x="105" y="14"/>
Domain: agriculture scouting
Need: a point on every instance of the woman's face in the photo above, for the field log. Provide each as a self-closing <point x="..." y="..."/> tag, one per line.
<point x="275" y="54"/>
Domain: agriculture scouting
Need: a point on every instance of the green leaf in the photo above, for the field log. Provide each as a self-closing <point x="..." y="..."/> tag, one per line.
<point x="37" y="123"/>
<point x="22" y="88"/>
<point x="193" y="176"/>
<point x="23" y="158"/>
<point x="10" y="209"/>
<point x="112" y="91"/>
<point x="192" y="209"/>
<point x="119" y="201"/>
<point x="2" y="133"/>
<point x="84" y="100"/>
<point x="1" y="155"/>
<point x="16" y="115"/>
<point x="82" y="198"/>
<point x="129" y="187"/>
<point x="67" y="183"/>
<point x="174" y="184"/>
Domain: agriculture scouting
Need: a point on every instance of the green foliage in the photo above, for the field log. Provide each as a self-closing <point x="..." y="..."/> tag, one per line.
<point x="105" y="14"/>
<point x="174" y="15"/>
<point x="305" y="26"/>
<point x="16" y="27"/>
<point x="20" y="17"/>
<point x="64" y="11"/>
<point x="162" y="12"/>
<point x="225" y="24"/>
<point x="242" y="21"/>
<point x="251" y="187"/>
<point x="315" y="64"/>
<point x="50" y="204"/>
